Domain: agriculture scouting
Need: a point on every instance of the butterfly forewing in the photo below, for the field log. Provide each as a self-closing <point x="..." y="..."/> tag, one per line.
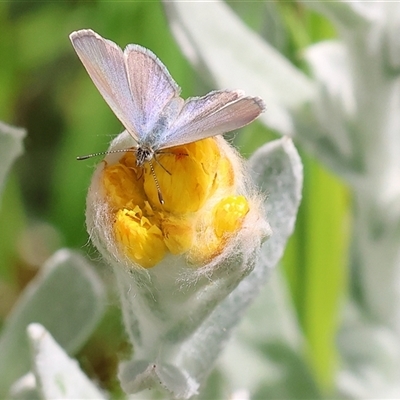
<point x="216" y="113"/>
<point x="104" y="62"/>
<point x="152" y="87"/>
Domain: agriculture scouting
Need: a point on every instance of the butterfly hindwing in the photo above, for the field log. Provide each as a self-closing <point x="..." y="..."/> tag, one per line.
<point x="213" y="114"/>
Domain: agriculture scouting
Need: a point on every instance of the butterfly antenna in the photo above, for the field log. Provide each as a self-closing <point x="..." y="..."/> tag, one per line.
<point x="102" y="153"/>
<point x="160" y="198"/>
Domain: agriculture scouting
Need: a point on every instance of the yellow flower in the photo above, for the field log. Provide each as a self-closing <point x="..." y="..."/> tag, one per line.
<point x="185" y="175"/>
<point x="216" y="228"/>
<point x="178" y="234"/>
<point x="123" y="184"/>
<point x="140" y="240"/>
<point x="201" y="209"/>
<point x="229" y="214"/>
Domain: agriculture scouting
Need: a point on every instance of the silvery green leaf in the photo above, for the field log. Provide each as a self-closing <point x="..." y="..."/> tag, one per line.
<point x="376" y="142"/>
<point x="25" y="388"/>
<point x="136" y="376"/>
<point x="356" y="126"/>
<point x="368" y="344"/>
<point x="355" y="19"/>
<point x="58" y="376"/>
<point x="393" y="34"/>
<point x="175" y="346"/>
<point x="66" y="297"/>
<point x="278" y="171"/>
<point x="276" y="168"/>
<point x="330" y="67"/>
<point x="370" y="357"/>
<point x="269" y="342"/>
<point x="328" y="131"/>
<point x="348" y="14"/>
<point x="220" y="45"/>
<point x="10" y="148"/>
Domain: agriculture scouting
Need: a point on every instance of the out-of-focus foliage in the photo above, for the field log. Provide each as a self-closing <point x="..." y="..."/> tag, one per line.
<point x="67" y="297"/>
<point x="345" y="112"/>
<point x="45" y="90"/>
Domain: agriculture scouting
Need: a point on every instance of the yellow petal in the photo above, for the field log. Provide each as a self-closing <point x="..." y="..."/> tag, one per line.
<point x="122" y="184"/>
<point x="188" y="222"/>
<point x="185" y="175"/>
<point x="178" y="234"/>
<point x="229" y="214"/>
<point x="138" y="238"/>
<point x="216" y="227"/>
<point x="225" y="173"/>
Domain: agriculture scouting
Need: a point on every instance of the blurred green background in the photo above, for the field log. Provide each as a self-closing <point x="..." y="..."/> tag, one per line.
<point x="45" y="89"/>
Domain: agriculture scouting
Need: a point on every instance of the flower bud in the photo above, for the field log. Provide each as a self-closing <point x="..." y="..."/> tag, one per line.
<point x="206" y="203"/>
<point x="174" y="261"/>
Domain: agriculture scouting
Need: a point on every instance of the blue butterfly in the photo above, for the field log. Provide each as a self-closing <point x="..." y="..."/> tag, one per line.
<point x="145" y="98"/>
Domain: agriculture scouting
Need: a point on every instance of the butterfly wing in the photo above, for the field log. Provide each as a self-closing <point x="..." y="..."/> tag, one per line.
<point x="145" y="98"/>
<point x="216" y="113"/>
<point x="152" y="88"/>
<point x="104" y="62"/>
<point x="134" y="83"/>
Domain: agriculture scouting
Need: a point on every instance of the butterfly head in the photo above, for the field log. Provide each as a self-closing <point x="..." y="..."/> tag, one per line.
<point x="144" y="154"/>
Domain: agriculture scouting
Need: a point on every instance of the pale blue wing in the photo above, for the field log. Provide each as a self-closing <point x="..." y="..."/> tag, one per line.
<point x="152" y="89"/>
<point x="105" y="64"/>
<point x="216" y="113"/>
<point x="145" y="98"/>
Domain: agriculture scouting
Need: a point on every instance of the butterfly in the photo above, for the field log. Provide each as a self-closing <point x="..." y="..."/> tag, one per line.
<point x="145" y="98"/>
